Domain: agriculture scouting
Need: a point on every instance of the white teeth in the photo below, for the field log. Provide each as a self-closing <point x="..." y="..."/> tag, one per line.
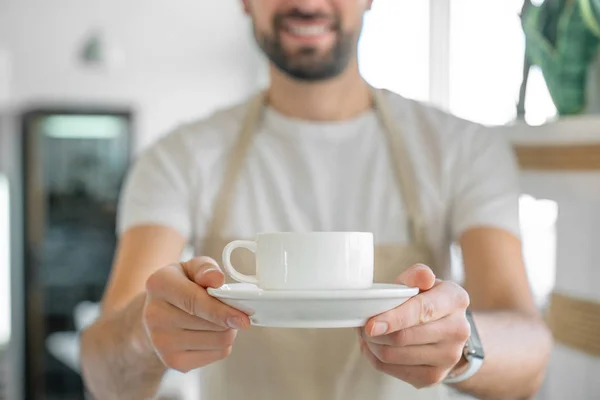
<point x="314" y="30"/>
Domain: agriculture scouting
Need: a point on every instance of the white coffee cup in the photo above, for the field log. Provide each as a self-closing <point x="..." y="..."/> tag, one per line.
<point x="307" y="261"/>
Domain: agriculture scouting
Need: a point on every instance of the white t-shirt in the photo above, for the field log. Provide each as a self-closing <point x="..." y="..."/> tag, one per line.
<point x="338" y="176"/>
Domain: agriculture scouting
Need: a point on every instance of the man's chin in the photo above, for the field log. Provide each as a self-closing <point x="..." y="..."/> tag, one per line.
<point x="309" y="75"/>
<point x="307" y="63"/>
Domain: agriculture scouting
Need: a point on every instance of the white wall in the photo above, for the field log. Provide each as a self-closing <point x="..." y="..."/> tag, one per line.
<point x="181" y="59"/>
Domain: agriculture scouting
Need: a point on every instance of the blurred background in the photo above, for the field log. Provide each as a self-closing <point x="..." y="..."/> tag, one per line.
<point x="85" y="85"/>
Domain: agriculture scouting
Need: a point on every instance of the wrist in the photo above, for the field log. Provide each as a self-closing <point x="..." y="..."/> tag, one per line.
<point x="139" y="339"/>
<point x="115" y="360"/>
<point x="472" y="358"/>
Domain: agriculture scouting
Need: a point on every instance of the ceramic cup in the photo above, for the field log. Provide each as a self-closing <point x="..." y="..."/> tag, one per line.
<point x="307" y="261"/>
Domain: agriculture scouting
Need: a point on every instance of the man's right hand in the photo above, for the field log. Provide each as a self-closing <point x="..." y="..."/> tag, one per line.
<point x="188" y="328"/>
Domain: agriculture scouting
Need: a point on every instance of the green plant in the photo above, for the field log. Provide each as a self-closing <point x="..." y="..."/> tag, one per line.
<point x="562" y="38"/>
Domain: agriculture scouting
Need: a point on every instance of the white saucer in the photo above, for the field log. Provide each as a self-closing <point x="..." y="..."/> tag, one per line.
<point x="313" y="309"/>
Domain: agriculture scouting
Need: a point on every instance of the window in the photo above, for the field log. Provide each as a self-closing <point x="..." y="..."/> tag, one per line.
<point x="538" y="227"/>
<point x="487" y="48"/>
<point x="394" y="47"/>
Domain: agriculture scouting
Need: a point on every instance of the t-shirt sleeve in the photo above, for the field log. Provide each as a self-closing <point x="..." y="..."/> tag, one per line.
<point x="157" y="191"/>
<point x="485" y="192"/>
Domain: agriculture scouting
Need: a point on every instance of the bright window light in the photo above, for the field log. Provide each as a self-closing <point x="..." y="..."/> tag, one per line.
<point x="5" y="315"/>
<point x="538" y="103"/>
<point x="394" y="47"/>
<point x="487" y="48"/>
<point x="538" y="227"/>
<point x="83" y="126"/>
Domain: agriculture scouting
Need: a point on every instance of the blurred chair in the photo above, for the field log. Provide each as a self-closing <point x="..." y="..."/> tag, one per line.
<point x="560" y="161"/>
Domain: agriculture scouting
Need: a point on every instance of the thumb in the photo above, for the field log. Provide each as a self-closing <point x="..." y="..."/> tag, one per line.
<point x="419" y="276"/>
<point x="204" y="271"/>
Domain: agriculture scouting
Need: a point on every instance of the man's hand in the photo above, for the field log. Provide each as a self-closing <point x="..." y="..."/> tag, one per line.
<point x="422" y="340"/>
<point x="186" y="327"/>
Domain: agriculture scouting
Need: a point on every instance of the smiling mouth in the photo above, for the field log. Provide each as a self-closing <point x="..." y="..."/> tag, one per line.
<point x="308" y="31"/>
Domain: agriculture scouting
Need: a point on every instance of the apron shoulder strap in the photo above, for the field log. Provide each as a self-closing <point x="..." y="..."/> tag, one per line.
<point x="401" y="158"/>
<point x="235" y="160"/>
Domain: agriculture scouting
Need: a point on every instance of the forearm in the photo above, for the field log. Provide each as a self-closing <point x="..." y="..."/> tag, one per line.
<point x="117" y="362"/>
<point x="517" y="347"/>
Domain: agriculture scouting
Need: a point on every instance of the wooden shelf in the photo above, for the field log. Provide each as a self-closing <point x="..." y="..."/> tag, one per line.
<point x="580" y="157"/>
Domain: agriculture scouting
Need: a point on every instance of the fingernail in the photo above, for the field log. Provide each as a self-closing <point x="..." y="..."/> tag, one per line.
<point x="206" y="271"/>
<point x="235" y="323"/>
<point x="379" y="328"/>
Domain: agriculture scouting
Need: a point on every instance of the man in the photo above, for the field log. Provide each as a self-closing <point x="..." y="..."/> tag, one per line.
<point x="321" y="151"/>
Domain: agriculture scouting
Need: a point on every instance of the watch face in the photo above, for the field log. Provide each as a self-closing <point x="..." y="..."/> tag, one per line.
<point x="474" y="343"/>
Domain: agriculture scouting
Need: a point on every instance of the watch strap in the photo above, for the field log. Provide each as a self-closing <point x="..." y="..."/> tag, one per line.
<point x="474" y="364"/>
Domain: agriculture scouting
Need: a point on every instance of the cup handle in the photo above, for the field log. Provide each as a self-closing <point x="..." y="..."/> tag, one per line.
<point x="231" y="271"/>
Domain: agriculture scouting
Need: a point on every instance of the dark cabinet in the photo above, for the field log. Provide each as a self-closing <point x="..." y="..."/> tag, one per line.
<point x="74" y="163"/>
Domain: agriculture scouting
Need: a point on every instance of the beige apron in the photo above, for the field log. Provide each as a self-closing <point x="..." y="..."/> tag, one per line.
<point x="315" y="364"/>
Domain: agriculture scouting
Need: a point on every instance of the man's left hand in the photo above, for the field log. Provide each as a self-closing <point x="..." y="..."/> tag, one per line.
<point x="422" y="340"/>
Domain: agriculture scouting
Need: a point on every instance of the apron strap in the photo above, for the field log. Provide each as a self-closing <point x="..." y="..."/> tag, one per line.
<point x="234" y="164"/>
<point x="404" y="172"/>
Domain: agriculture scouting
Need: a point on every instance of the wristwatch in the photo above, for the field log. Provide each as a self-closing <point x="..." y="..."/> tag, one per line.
<point x="473" y="353"/>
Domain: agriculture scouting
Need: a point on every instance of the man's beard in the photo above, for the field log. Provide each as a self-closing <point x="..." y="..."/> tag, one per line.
<point x="308" y="64"/>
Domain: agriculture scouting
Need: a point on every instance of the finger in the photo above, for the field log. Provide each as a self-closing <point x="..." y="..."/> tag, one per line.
<point x="165" y="316"/>
<point x="172" y="285"/>
<point x="450" y="328"/>
<point x="419" y="276"/>
<point x="419" y="376"/>
<point x="204" y="271"/>
<point x="186" y="361"/>
<point x="444" y="299"/>
<point x="431" y="354"/>
<point x="169" y="341"/>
